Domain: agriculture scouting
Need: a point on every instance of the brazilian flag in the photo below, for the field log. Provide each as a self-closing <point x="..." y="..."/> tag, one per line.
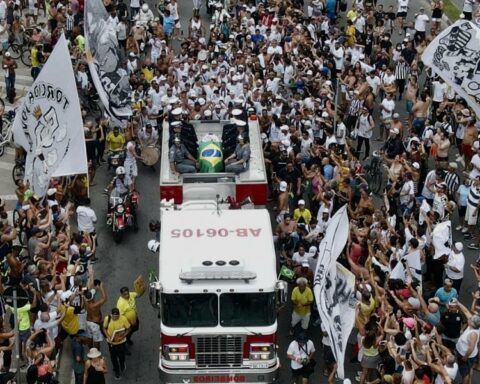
<point x="210" y="157"/>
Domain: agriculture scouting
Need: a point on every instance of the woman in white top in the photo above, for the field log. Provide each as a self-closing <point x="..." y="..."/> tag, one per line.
<point x="365" y="125"/>
<point x="130" y="163"/>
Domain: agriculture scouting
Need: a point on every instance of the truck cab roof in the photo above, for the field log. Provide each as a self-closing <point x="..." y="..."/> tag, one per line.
<point x="216" y="249"/>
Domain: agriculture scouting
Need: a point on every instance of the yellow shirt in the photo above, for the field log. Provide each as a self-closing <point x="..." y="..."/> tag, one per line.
<point x="128" y="308"/>
<point x="34" y="57"/>
<point x="24" y="317"/>
<point x="307" y="216"/>
<point x="116" y="329"/>
<point x="115" y="143"/>
<point x="70" y="322"/>
<point x="80" y="41"/>
<point x="303" y="298"/>
<point x="148" y="74"/>
<point x="352" y="14"/>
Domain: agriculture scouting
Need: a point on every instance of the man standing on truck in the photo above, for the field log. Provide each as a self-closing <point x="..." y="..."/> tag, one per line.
<point x="181" y="161"/>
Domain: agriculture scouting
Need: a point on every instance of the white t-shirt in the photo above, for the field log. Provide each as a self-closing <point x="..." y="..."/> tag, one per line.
<point x="402" y="6"/>
<point x="86" y="219"/>
<point x="421" y="22"/>
<point x="475" y="167"/>
<point x="374" y="83"/>
<point x="439" y="90"/>
<point x="390" y="105"/>
<point x="302" y="353"/>
<point x="456" y="260"/>
<point x="407" y="192"/>
<point x="451" y="372"/>
<point x="299" y="259"/>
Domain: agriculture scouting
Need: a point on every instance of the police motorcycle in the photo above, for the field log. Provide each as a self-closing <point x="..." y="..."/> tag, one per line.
<point x="122" y="209"/>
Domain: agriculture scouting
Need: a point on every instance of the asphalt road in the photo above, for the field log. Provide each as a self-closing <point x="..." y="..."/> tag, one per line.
<point x="120" y="264"/>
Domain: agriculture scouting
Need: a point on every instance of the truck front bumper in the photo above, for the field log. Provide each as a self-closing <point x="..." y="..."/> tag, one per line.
<point x="237" y="375"/>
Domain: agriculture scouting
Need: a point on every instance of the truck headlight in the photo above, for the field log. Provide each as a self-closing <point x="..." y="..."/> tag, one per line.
<point x="262" y="351"/>
<point x="176" y="352"/>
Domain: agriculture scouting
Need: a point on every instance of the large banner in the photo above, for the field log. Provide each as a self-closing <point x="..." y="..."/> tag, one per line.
<point x="49" y="126"/>
<point x="109" y="77"/>
<point x="455" y="56"/>
<point x="334" y="288"/>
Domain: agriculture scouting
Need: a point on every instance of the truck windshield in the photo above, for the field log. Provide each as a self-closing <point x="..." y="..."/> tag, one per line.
<point x="190" y="310"/>
<point x="247" y="309"/>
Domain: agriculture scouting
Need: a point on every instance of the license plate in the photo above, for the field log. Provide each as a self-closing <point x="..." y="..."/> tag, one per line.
<point x="260" y="365"/>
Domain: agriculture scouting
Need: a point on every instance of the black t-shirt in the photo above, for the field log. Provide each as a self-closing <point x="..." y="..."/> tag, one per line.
<point x="290" y="177"/>
<point x="452" y="323"/>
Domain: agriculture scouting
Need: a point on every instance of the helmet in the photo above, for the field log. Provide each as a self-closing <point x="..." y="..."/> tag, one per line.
<point x="153" y="246"/>
<point x="120" y="171"/>
<point x="145" y="7"/>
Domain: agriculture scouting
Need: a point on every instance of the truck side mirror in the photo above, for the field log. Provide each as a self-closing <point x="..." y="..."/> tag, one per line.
<point x="154" y="293"/>
<point x="281" y="293"/>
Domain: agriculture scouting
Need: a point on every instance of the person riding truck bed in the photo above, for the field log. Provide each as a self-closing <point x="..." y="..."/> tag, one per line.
<point x="181" y="161"/>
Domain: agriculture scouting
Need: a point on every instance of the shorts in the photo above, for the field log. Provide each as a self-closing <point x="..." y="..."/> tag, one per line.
<point x="304" y="320"/>
<point x="94" y="332"/>
<point x="462" y="209"/>
<point x="177" y="23"/>
<point x="300" y="372"/>
<point x="402" y="14"/>
<point x="464" y="367"/>
<point x="470" y="218"/>
<point x="24" y="335"/>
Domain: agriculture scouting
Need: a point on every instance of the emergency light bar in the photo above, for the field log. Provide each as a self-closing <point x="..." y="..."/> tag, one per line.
<point x="190" y="277"/>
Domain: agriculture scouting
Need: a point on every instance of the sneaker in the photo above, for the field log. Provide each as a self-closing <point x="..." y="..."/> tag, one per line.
<point x="118" y="376"/>
<point x="473" y="246"/>
<point x="464" y="230"/>
<point x="458" y="227"/>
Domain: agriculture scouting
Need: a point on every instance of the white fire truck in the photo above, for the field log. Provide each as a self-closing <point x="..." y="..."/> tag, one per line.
<point x="217" y="294"/>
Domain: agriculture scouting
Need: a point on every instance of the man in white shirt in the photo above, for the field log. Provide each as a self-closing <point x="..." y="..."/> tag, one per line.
<point x="374" y="82"/>
<point x="386" y="107"/>
<point x="454" y="268"/>
<point x="475" y="162"/>
<point x="86" y="217"/>
<point x="338" y="53"/>
<point x="439" y="92"/>
<point x="421" y="20"/>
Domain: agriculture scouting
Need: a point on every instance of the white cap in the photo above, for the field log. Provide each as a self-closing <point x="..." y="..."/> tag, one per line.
<point x="301" y="202"/>
<point x="459" y="246"/>
<point x="236" y="112"/>
<point x="309" y="72"/>
<point x="283" y="186"/>
<point x="396" y="115"/>
<point x="325" y="114"/>
<point x="416" y="165"/>
<point x="51" y="191"/>
<point x="177" y="111"/>
<point x="312" y="249"/>
<point x="284" y="127"/>
<point x="207" y="113"/>
<point x="240" y="123"/>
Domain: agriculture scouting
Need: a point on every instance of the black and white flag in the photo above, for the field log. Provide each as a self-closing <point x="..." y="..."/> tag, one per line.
<point x="334" y="288"/>
<point x="455" y="56"/>
<point x="109" y="76"/>
<point x="48" y="124"/>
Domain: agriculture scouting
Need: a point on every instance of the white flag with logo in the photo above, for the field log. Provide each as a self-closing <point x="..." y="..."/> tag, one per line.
<point x="334" y="288"/>
<point x="48" y="124"/>
<point x="108" y="73"/>
<point x="455" y="56"/>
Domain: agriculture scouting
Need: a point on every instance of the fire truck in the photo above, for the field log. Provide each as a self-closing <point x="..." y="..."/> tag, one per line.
<point x="203" y="186"/>
<point x="217" y="294"/>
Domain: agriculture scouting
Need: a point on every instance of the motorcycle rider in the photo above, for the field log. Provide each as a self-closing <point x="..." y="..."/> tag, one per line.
<point x="121" y="184"/>
<point x="145" y="16"/>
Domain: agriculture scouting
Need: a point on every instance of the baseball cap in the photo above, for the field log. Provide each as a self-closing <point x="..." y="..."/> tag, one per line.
<point x="301" y="202"/>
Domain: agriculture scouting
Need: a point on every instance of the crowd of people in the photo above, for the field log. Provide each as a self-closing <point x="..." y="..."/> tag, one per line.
<point x="323" y="79"/>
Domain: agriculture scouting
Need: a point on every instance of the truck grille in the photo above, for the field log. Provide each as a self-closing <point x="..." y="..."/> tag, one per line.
<point x="219" y="351"/>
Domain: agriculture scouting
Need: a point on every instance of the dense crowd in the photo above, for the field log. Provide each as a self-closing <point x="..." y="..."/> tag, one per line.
<point x="323" y="83"/>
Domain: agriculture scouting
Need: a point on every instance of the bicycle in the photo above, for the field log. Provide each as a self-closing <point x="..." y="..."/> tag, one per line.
<point x="373" y="173"/>
<point x="18" y="171"/>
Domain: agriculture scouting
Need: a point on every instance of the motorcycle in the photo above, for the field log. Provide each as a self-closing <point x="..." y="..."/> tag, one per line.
<point x="122" y="213"/>
<point x="116" y="159"/>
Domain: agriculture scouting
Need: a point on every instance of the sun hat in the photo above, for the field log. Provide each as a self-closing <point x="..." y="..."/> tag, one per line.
<point x="93" y="353"/>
